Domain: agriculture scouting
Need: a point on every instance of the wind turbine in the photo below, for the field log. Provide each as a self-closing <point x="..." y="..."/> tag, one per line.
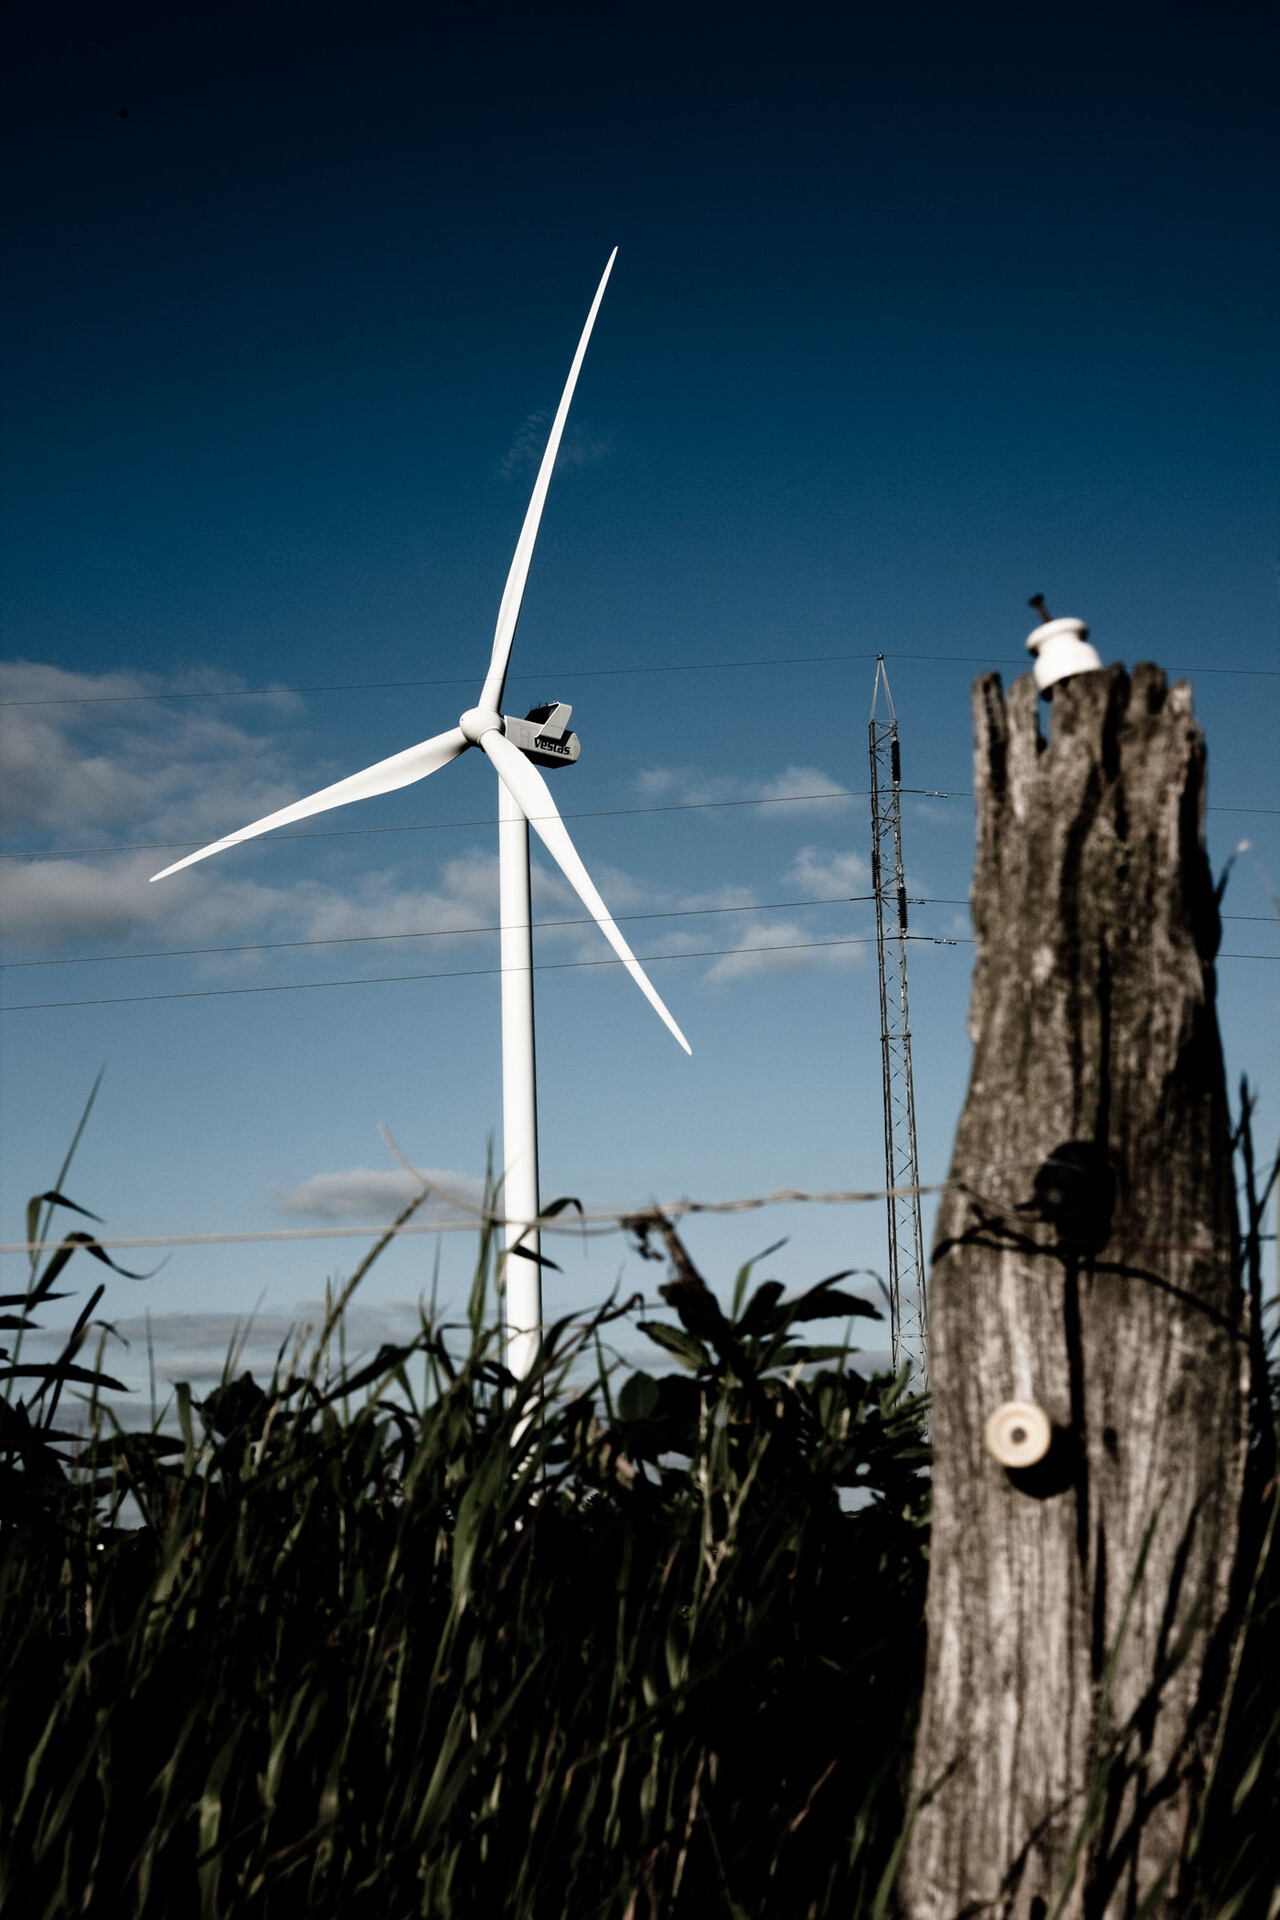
<point x="517" y="749"/>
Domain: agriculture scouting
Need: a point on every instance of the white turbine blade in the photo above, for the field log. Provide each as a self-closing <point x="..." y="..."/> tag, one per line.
<point x="513" y="593"/>
<point x="531" y="793"/>
<point x="401" y="770"/>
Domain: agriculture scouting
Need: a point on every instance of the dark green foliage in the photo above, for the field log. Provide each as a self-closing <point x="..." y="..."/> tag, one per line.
<point x="1235" y="1842"/>
<point x="412" y="1640"/>
<point x="404" y="1638"/>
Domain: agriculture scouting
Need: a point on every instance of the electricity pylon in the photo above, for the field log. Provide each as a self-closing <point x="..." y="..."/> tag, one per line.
<point x="907" y="1302"/>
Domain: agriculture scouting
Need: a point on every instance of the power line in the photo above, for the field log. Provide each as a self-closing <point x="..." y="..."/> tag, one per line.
<point x="453" y="933"/>
<point x="590" y="813"/>
<point x="490" y="820"/>
<point x="577" y="673"/>
<point x="542" y="966"/>
<point x="389" y="979"/>
<point x="458" y="933"/>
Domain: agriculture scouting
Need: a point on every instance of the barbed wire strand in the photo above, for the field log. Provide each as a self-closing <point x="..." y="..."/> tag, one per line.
<point x="589" y="1223"/>
<point x="587" y="1226"/>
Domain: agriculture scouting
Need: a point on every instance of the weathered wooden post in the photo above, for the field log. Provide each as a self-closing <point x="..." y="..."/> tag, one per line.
<point x="1086" y="1268"/>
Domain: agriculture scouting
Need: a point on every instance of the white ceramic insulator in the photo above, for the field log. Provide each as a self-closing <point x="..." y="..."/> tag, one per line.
<point x="1061" y="648"/>
<point x="1018" y="1433"/>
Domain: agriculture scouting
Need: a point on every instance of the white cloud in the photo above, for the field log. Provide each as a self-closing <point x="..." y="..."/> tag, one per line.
<point x="366" y="1193"/>
<point x="92" y="753"/>
<point x="196" y="1347"/>
<point x="802" y="788"/>
<point x="90" y="761"/>
<point x="768" y="946"/>
<point x="950" y="812"/>
<point x="51" y="905"/>
<point x="654" y="783"/>
<point x="98" y="762"/>
<point x="583" y="445"/>
<point x="829" y="874"/>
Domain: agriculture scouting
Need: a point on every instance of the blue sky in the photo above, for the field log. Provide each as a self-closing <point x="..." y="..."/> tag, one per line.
<point x="916" y="312"/>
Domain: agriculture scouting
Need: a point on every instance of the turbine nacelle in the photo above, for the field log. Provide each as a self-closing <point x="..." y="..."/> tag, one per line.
<point x="543" y="735"/>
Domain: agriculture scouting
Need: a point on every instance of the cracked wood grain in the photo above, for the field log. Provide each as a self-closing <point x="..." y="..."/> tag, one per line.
<point x="1077" y="1610"/>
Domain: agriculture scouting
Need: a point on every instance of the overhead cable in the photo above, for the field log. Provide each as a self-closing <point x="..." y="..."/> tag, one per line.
<point x="458" y="933"/>
<point x="565" y="673"/>
<point x="489" y="820"/>
<point x="589" y="813"/>
<point x="389" y="979"/>
<point x="540" y="966"/>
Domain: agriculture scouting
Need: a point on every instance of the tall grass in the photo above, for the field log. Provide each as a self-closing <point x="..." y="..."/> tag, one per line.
<point x="407" y="1637"/>
<point x="1234" y="1842"/>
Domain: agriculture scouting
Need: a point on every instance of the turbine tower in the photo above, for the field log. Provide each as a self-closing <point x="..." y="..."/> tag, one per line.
<point x="908" y="1311"/>
<point x="516" y="748"/>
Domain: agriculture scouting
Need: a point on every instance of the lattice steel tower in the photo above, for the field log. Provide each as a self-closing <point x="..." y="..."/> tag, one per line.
<point x="908" y="1309"/>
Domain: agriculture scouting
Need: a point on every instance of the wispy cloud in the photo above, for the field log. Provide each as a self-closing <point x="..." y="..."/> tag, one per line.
<point x="765" y="945"/>
<point x="952" y="813"/>
<point x="804" y="788"/>
<point x="92" y="753"/>
<point x="367" y="1193"/>
<point x="52" y="904"/>
<point x="831" y="874"/>
<point x="97" y="764"/>
<point x="56" y="905"/>
<point x="583" y="445"/>
<point x="89" y="760"/>
<point x="199" y="1347"/>
<point x="769" y="946"/>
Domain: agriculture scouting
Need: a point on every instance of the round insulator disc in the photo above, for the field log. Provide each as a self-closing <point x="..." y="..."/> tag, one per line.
<point x="1018" y="1433"/>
